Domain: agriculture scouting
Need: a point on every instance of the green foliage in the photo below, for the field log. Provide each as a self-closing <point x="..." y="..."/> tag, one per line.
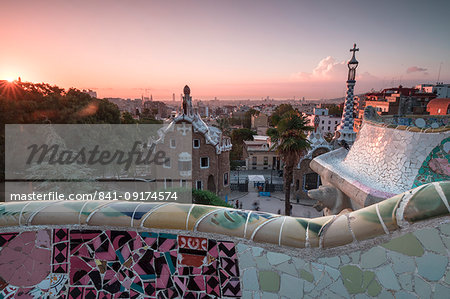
<point x="335" y="110"/>
<point x="224" y="125"/>
<point x="127" y="118"/>
<point x="247" y="123"/>
<point x="237" y="139"/>
<point x="205" y="197"/>
<point x="277" y="115"/>
<point x="289" y="138"/>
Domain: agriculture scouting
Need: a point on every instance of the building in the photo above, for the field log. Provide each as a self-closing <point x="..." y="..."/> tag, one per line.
<point x="156" y="109"/>
<point x="328" y="123"/>
<point x="439" y="106"/>
<point x="399" y="101"/>
<point x="210" y="161"/>
<point x="441" y="90"/>
<point x="259" y="154"/>
<point x="90" y="92"/>
<point x="260" y="123"/>
<point x="305" y="178"/>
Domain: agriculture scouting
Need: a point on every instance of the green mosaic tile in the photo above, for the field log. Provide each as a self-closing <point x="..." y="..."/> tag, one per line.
<point x="406" y="281"/>
<point x="306" y="275"/>
<point x="308" y="286"/>
<point x="373" y="258"/>
<point x="331" y="261"/>
<point x="246" y="260"/>
<point x="431" y="266"/>
<point x="368" y="277"/>
<point x="345" y="259"/>
<point x="262" y="263"/>
<point x="441" y="291"/>
<point x="407" y="244"/>
<point x="338" y="287"/>
<point x="421" y="288"/>
<point x="250" y="280"/>
<point x="404" y="295"/>
<point x="361" y="296"/>
<point x="275" y="258"/>
<point x="374" y="288"/>
<point x="269" y="281"/>
<point x="355" y="257"/>
<point x="445" y="228"/>
<point x="431" y="240"/>
<point x="324" y="282"/>
<point x="352" y="277"/>
<point x="288" y="268"/>
<point x="401" y="263"/>
<point x="291" y="287"/>
<point x="298" y="262"/>
<point x="317" y="271"/>
<point x="387" y="278"/>
<point x="266" y="295"/>
<point x="385" y="295"/>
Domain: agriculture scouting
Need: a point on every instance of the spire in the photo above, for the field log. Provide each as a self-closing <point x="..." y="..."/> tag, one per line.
<point x="187" y="102"/>
<point x="345" y="130"/>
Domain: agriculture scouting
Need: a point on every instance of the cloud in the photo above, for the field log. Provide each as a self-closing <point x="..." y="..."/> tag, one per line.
<point x="328" y="69"/>
<point x="414" y="69"/>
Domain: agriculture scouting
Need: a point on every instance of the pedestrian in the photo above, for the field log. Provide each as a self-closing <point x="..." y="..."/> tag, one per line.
<point x="240" y="206"/>
<point x="237" y="204"/>
<point x="279" y="212"/>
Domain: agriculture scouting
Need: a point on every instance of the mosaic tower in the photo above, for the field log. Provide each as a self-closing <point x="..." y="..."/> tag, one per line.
<point x="346" y="131"/>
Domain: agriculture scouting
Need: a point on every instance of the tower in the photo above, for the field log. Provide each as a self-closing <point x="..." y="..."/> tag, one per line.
<point x="346" y="131"/>
<point x="187" y="102"/>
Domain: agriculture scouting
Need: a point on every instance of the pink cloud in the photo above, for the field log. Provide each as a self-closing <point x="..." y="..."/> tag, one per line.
<point x="414" y="69"/>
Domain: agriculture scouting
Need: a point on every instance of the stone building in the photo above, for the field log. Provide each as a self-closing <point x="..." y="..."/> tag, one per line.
<point x="259" y="154"/>
<point x="260" y="123"/>
<point x="205" y="159"/>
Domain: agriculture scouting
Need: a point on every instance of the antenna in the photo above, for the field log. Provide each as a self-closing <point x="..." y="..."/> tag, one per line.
<point x="439" y="73"/>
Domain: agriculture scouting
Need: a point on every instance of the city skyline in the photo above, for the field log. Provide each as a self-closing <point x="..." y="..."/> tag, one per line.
<point x="229" y="50"/>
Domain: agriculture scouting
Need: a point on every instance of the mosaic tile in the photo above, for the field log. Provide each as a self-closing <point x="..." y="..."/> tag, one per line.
<point x="375" y="257"/>
<point x="269" y="281"/>
<point x="287" y="268"/>
<point x="401" y="263"/>
<point x="277" y="258"/>
<point x="406" y="244"/>
<point x="250" y="279"/>
<point x="290" y="286"/>
<point x="387" y="278"/>
<point x="431" y="240"/>
<point x="431" y="266"/>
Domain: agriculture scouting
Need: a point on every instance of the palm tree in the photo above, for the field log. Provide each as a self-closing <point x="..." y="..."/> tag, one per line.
<point x="289" y="139"/>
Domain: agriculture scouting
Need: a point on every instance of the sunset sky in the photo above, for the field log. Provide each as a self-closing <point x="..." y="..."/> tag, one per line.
<point x="233" y="49"/>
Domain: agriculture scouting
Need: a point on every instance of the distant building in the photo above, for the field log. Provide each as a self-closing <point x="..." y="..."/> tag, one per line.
<point x="260" y="123"/>
<point x="157" y="109"/>
<point x="439" y="106"/>
<point x="327" y="123"/>
<point x="441" y="90"/>
<point x="210" y="152"/>
<point x="399" y="101"/>
<point x="258" y="154"/>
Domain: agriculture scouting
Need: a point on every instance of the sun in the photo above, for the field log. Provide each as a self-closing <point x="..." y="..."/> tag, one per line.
<point x="10" y="80"/>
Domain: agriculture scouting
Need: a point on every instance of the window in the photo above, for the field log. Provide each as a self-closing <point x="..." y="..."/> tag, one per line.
<point x="196" y="143"/>
<point x="172" y="143"/>
<point x="183" y="183"/>
<point x="329" y="122"/>
<point x="311" y="181"/>
<point x="204" y="162"/>
<point x="184" y="165"/>
<point x="266" y="160"/>
<point x="225" y="179"/>
<point x="168" y="183"/>
<point x="328" y="128"/>
<point x="198" y="185"/>
<point x="254" y="160"/>
<point x="297" y="184"/>
<point x="166" y="163"/>
<point x="323" y="122"/>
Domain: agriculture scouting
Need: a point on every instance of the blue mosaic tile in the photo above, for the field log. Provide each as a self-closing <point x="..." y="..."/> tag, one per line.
<point x="431" y="266"/>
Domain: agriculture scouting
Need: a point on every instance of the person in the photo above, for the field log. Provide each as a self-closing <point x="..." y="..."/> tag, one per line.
<point x="240" y="205"/>
<point x="279" y="212"/>
<point x="237" y="204"/>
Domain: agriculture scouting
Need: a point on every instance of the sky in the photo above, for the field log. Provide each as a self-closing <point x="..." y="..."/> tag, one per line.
<point x="233" y="49"/>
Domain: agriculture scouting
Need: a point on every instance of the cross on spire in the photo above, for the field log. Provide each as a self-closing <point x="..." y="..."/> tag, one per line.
<point x="354" y="49"/>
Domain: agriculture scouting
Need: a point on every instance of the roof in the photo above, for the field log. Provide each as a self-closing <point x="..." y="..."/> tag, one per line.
<point x="438" y="106"/>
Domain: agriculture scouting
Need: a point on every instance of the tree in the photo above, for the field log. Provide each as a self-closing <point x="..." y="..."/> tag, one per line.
<point x="279" y="112"/>
<point x="127" y="118"/>
<point x="237" y="139"/>
<point x="248" y="118"/>
<point x="289" y="138"/>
